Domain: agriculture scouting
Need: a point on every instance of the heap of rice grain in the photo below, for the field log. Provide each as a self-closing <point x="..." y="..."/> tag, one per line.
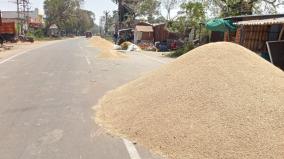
<point x="217" y="101"/>
<point x="106" y="49"/>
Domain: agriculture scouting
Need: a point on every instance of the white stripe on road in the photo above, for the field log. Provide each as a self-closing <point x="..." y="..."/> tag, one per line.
<point x="10" y="58"/>
<point x="133" y="153"/>
<point x="88" y="60"/>
<point x="23" y="52"/>
<point x="86" y="57"/>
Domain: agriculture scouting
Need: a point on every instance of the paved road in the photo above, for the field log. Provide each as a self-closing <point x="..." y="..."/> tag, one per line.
<point x="46" y="100"/>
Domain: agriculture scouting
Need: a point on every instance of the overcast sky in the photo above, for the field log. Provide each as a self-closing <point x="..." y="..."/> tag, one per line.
<point x="97" y="6"/>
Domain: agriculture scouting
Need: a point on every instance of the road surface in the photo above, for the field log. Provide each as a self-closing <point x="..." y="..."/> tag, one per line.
<point x="46" y="100"/>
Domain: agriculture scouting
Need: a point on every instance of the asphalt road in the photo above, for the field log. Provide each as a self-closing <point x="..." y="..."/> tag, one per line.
<point x="46" y="100"/>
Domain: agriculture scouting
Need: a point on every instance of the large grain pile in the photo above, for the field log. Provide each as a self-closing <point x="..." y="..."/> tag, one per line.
<point x="106" y="49"/>
<point x="218" y="101"/>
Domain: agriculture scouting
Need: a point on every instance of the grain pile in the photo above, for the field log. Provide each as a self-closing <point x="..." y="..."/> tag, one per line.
<point x="106" y="49"/>
<point x="218" y="101"/>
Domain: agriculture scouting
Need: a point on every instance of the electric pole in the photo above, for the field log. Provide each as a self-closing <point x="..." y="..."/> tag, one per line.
<point x="106" y="22"/>
<point x="19" y="26"/>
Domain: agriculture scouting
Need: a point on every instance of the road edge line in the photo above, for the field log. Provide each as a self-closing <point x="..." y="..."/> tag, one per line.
<point x="131" y="149"/>
<point x="23" y="52"/>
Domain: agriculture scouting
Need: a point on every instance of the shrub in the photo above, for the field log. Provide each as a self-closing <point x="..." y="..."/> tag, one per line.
<point x="182" y="50"/>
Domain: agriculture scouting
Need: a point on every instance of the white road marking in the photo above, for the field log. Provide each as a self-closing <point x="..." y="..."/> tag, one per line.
<point x="21" y="53"/>
<point x="10" y="58"/>
<point x="88" y="60"/>
<point x="132" y="151"/>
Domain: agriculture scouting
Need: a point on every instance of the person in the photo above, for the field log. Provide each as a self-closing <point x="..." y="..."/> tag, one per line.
<point x="132" y="37"/>
<point x="1" y="41"/>
<point x="174" y="45"/>
<point x="115" y="37"/>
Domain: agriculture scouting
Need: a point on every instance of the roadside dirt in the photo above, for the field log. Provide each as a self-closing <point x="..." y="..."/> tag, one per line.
<point x="106" y="49"/>
<point x="11" y="48"/>
<point x="217" y="101"/>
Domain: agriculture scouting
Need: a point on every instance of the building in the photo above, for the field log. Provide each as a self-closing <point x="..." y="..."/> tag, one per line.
<point x="143" y="33"/>
<point x="34" y="19"/>
<point x="161" y="32"/>
<point x="262" y="34"/>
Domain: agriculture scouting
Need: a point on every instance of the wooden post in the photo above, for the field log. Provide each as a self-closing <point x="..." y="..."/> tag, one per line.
<point x="0" y="17"/>
<point x="281" y="33"/>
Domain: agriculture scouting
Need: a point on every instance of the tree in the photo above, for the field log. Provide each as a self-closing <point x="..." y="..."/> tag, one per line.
<point x="138" y="8"/>
<point x="149" y="9"/>
<point x="245" y="7"/>
<point x="68" y="15"/>
<point x="193" y="15"/>
<point x="169" y="5"/>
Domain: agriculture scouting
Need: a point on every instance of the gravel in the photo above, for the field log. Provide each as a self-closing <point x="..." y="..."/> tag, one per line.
<point x="217" y="101"/>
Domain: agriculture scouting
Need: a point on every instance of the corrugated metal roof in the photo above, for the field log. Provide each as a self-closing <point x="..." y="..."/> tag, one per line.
<point x="144" y="28"/>
<point x="262" y="22"/>
<point x="258" y="16"/>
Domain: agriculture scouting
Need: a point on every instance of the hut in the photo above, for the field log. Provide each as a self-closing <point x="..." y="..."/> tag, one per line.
<point x="259" y="33"/>
<point x="53" y="30"/>
<point x="143" y="33"/>
<point x="161" y="32"/>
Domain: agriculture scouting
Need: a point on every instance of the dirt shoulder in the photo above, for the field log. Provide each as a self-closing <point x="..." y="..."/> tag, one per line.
<point x="9" y="49"/>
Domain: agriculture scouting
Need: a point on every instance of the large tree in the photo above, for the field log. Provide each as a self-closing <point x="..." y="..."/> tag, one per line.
<point x="169" y="5"/>
<point x="68" y="15"/>
<point x="243" y="7"/>
<point x="139" y="8"/>
<point x="193" y="15"/>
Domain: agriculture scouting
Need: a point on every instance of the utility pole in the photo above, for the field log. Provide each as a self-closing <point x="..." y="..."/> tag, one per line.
<point x="18" y="19"/>
<point x="24" y="9"/>
<point x="106" y="21"/>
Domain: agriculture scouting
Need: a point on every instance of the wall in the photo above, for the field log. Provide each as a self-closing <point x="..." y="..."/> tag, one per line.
<point x="161" y="33"/>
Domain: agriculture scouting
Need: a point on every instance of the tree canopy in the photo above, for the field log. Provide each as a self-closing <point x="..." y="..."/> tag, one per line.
<point x="68" y="15"/>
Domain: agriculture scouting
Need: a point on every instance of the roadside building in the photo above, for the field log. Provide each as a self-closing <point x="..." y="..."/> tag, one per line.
<point x="259" y="33"/>
<point x="143" y="33"/>
<point x="34" y="18"/>
<point x="53" y="31"/>
<point x="161" y="33"/>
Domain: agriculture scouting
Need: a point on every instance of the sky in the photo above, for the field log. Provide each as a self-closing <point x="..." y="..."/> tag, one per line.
<point x="97" y="6"/>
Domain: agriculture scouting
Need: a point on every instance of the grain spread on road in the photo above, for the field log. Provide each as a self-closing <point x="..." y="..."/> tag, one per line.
<point x="217" y="101"/>
<point x="106" y="49"/>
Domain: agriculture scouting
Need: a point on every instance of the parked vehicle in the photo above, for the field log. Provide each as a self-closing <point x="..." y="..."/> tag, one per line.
<point x="88" y="34"/>
<point x="24" y="38"/>
<point x="8" y="31"/>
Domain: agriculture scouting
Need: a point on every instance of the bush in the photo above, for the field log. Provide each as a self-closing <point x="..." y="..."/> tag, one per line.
<point x="37" y="34"/>
<point x="180" y="51"/>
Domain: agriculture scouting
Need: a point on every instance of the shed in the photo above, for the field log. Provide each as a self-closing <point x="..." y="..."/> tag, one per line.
<point x="253" y="34"/>
<point x="53" y="30"/>
<point x="161" y="33"/>
<point x="143" y="33"/>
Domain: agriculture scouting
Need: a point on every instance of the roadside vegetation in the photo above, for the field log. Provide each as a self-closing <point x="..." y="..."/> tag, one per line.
<point x="68" y="16"/>
<point x="191" y="15"/>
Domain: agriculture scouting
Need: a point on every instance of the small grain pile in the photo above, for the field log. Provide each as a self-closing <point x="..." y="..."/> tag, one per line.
<point x="106" y="49"/>
<point x="217" y="101"/>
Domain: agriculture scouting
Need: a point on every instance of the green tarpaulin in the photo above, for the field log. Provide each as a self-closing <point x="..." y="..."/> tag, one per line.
<point x="221" y="25"/>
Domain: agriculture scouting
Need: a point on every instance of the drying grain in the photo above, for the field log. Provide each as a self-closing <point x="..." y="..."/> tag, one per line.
<point x="217" y="101"/>
<point x="106" y="49"/>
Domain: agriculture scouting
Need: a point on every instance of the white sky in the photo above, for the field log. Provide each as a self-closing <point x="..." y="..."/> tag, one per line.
<point x="97" y="6"/>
